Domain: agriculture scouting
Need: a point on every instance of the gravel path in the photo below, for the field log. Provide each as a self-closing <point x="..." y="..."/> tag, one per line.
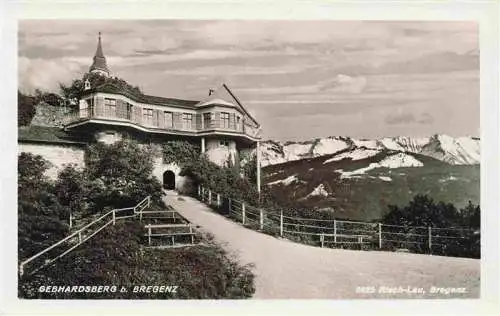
<point x="285" y="269"/>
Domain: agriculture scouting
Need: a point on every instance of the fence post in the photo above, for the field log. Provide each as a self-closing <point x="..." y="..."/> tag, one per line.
<point x="149" y="234"/>
<point x="149" y="200"/>
<point x="209" y="196"/>
<point x="79" y="237"/>
<point x="218" y="200"/>
<point x="199" y="190"/>
<point x="322" y="239"/>
<point x="21" y="270"/>
<point x="261" y="219"/>
<point x="281" y="223"/>
<point x="430" y="240"/>
<point x="379" y="236"/>
<point x="243" y="213"/>
<point x="70" y="220"/>
<point x="229" y="204"/>
<point x="335" y="231"/>
<point x="140" y="215"/>
<point x="114" y="217"/>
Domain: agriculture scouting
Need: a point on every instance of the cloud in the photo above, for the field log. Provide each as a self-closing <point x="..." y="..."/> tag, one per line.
<point x="45" y="74"/>
<point x="402" y="118"/>
<point x="409" y="118"/>
<point x="425" y="118"/>
<point x="344" y="84"/>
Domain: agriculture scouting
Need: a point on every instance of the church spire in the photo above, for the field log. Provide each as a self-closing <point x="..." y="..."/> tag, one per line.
<point x="99" y="65"/>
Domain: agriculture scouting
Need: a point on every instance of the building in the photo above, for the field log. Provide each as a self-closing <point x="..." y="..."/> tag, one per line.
<point x="220" y="124"/>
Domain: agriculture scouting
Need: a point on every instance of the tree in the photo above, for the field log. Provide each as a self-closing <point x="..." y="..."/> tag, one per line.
<point x="39" y="211"/>
<point x="74" y="91"/>
<point x="423" y="211"/>
<point x="73" y="189"/>
<point x="31" y="169"/>
<point x="25" y="108"/>
<point x="471" y="216"/>
<point x="35" y="190"/>
<point x="250" y="169"/>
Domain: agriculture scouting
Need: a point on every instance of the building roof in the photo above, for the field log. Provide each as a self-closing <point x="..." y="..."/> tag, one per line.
<point x="99" y="59"/>
<point x="224" y="96"/>
<point x="143" y="98"/>
<point x="46" y="134"/>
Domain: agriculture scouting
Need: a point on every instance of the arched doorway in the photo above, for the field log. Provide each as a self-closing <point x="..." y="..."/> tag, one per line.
<point x="169" y="180"/>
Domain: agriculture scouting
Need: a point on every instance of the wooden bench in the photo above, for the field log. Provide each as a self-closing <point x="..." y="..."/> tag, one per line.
<point x="172" y="235"/>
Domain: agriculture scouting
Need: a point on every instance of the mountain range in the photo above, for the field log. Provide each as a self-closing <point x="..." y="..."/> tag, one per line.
<point x="358" y="178"/>
<point x="453" y="150"/>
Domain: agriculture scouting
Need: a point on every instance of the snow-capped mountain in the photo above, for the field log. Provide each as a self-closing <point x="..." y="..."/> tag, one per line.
<point x="455" y="151"/>
<point x="361" y="178"/>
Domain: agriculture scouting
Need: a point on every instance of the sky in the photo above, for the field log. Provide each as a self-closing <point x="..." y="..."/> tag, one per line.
<point x="300" y="79"/>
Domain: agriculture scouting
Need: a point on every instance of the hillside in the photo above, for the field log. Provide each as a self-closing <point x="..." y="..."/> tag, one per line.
<point x="456" y="151"/>
<point x="360" y="179"/>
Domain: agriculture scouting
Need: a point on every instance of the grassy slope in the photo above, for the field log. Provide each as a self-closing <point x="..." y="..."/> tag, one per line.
<point x="116" y="257"/>
<point x="367" y="197"/>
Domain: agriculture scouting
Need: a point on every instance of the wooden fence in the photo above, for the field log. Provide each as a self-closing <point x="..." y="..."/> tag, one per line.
<point x="66" y="245"/>
<point x="342" y="233"/>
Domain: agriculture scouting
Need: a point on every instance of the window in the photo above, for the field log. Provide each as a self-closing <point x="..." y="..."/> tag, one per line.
<point x="148" y="117"/>
<point x="187" y="120"/>
<point x="224" y="143"/>
<point x="238" y="122"/>
<point x="207" y="120"/>
<point x="88" y="110"/>
<point x="129" y="111"/>
<point x="224" y="117"/>
<point x="169" y="120"/>
<point x="109" y="107"/>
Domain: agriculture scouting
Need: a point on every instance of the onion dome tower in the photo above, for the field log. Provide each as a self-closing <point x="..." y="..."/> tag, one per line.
<point x="99" y="65"/>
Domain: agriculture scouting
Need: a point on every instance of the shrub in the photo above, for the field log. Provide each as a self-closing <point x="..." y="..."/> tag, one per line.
<point x="124" y="172"/>
<point x="37" y="232"/>
<point x="180" y="152"/>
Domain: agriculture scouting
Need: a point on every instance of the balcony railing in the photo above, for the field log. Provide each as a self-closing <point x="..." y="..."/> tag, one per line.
<point x="156" y="122"/>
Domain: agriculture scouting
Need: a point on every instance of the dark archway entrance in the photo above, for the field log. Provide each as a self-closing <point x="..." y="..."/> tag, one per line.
<point x="169" y="180"/>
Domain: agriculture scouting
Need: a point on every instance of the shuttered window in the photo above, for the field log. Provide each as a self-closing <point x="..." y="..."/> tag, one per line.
<point x="169" y="120"/>
<point x="129" y="111"/>
<point x="207" y="120"/>
<point x="224" y="117"/>
<point x="109" y="107"/>
<point x="148" y="117"/>
<point x="187" y="121"/>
